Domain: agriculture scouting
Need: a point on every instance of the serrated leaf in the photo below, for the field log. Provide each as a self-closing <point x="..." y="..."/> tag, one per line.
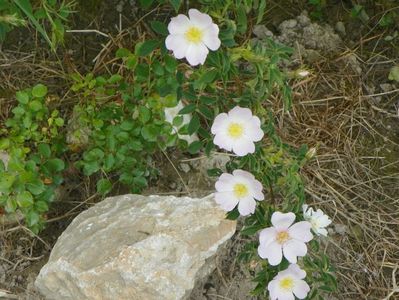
<point x="104" y="186"/>
<point x="24" y="199"/>
<point x="193" y="125"/>
<point x="195" y="147"/>
<point x="159" y="28"/>
<point x="44" y="150"/>
<point x="22" y="97"/>
<point x="145" y="48"/>
<point x="39" y="91"/>
<point x="188" y="109"/>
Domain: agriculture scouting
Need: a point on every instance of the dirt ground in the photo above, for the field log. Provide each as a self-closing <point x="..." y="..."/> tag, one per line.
<point x="346" y="108"/>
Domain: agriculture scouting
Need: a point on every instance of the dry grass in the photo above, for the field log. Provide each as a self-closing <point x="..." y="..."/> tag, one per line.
<point x="355" y="175"/>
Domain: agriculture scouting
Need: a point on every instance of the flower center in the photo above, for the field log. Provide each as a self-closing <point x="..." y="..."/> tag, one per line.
<point x="194" y="35"/>
<point x="315" y="223"/>
<point x="282" y="237"/>
<point x="287" y="284"/>
<point x="235" y="130"/>
<point x="240" y="190"/>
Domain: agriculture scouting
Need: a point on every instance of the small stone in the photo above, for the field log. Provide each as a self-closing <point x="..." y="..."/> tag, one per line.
<point x="387" y="87"/>
<point x="303" y="19"/>
<point x="261" y="32"/>
<point x="340" y="28"/>
<point x="341" y="229"/>
<point x="136" y="247"/>
<point x="5" y="158"/>
<point x="185" y="167"/>
<point x="289" y="24"/>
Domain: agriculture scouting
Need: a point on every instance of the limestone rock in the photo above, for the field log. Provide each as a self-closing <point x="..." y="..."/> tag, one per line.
<point x="136" y="247"/>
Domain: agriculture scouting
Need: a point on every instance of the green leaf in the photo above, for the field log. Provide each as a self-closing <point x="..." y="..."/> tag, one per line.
<point x="35" y="186"/>
<point x="146" y="3"/>
<point x="176" y="4"/>
<point x="44" y="150"/>
<point x="208" y="113"/>
<point x="170" y="64"/>
<point x="22" y="97"/>
<point x="193" y="125"/>
<point x="233" y="215"/>
<point x="188" y="109"/>
<point x="25" y="199"/>
<point x="104" y="186"/>
<point x="122" y="52"/>
<point x="394" y="73"/>
<point x="261" y="11"/>
<point x="6" y="182"/>
<point x="109" y="162"/>
<point x="144" y="114"/>
<point x="55" y="165"/>
<point x="59" y="122"/>
<point x="39" y="91"/>
<point x="241" y="19"/>
<point x="251" y="230"/>
<point x="35" y="105"/>
<point x="140" y="182"/>
<point x="26" y="7"/>
<point x="11" y="205"/>
<point x="41" y="206"/>
<point x="115" y="78"/>
<point x="150" y="132"/>
<point x="4" y="143"/>
<point x="159" y="28"/>
<point x="145" y="48"/>
<point x="127" y="125"/>
<point x="194" y="147"/>
<point x="32" y="218"/>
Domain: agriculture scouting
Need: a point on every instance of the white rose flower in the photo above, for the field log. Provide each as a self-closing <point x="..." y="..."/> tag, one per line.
<point x="288" y="283"/>
<point x="173" y="112"/>
<point x="237" y="130"/>
<point x="240" y="188"/>
<point x="284" y="237"/>
<point x="318" y="219"/>
<point x="191" y="37"/>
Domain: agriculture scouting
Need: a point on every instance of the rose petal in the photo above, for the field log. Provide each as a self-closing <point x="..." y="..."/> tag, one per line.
<point x="211" y="38"/>
<point x="177" y="44"/>
<point x="199" y="19"/>
<point x="281" y="220"/>
<point x="272" y="252"/>
<point x="301" y="289"/>
<point x="223" y="141"/>
<point x="226" y="200"/>
<point x="240" y="113"/>
<point x="294" y="248"/>
<point x="243" y="146"/>
<point x="219" y="124"/>
<point x="267" y="235"/>
<point x="296" y="271"/>
<point x="224" y="183"/>
<point x="301" y="231"/>
<point x="178" y="24"/>
<point x="246" y="206"/>
<point x="196" y="54"/>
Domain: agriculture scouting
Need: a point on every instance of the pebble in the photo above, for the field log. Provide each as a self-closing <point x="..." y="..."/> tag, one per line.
<point x="185" y="167"/>
<point x="340" y="28"/>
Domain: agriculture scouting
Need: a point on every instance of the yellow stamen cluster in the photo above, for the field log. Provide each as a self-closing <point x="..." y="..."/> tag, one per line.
<point x="235" y="130"/>
<point x="194" y="35"/>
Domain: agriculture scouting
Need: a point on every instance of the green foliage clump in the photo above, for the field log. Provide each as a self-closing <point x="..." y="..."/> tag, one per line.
<point x="34" y="145"/>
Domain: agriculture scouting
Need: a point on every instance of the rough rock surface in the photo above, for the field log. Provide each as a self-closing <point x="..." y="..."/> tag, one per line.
<point x="309" y="40"/>
<point x="136" y="247"/>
